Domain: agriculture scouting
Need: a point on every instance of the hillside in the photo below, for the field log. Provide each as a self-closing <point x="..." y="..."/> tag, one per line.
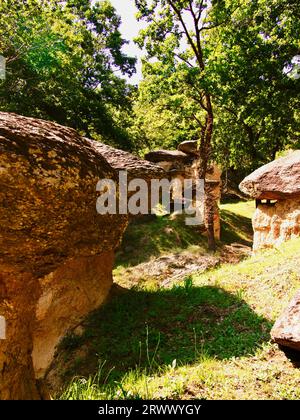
<point x="204" y="335"/>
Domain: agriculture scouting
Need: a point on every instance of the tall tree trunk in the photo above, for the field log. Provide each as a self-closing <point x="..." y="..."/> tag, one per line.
<point x="205" y="151"/>
<point x="205" y="146"/>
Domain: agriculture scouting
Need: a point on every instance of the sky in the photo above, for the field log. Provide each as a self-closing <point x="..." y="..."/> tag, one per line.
<point x="130" y="29"/>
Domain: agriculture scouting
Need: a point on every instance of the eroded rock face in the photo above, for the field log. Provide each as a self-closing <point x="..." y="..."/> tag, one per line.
<point x="74" y="289"/>
<point x="279" y="179"/>
<point x="185" y="163"/>
<point x="124" y="161"/>
<point x="286" y="330"/>
<point x="277" y="223"/>
<point x="56" y="251"/>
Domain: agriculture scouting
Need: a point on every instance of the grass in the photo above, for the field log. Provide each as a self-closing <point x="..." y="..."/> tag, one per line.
<point x="156" y="236"/>
<point x="206" y="337"/>
<point x="236" y="223"/>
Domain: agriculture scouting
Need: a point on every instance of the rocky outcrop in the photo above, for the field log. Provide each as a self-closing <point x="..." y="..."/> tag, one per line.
<point x="135" y="167"/>
<point x="190" y="147"/>
<point x="276" y="188"/>
<point x="277" y="180"/>
<point x="56" y="251"/>
<point x="286" y="330"/>
<point x="276" y="223"/>
<point x="185" y="164"/>
<point x="67" y="294"/>
<point x="167" y="156"/>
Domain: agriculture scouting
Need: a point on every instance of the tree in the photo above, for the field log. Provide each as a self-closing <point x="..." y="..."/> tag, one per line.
<point x="252" y="72"/>
<point x="251" y="56"/>
<point x="61" y="63"/>
<point x="176" y="35"/>
<point x="164" y="115"/>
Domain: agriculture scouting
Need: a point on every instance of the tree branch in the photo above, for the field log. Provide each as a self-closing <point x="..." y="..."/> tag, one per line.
<point x="183" y="59"/>
<point x="190" y="40"/>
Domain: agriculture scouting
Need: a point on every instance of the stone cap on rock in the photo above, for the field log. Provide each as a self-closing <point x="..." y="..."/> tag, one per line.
<point x="190" y="147"/>
<point x="167" y="156"/>
<point x="276" y="180"/>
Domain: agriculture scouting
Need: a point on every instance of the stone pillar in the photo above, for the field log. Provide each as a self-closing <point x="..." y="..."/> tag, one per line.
<point x="276" y="222"/>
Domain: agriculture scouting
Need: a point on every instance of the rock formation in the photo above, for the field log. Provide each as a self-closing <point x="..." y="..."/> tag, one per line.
<point x="172" y="156"/>
<point x="286" y="330"/>
<point x="276" y="188"/>
<point x="184" y="163"/>
<point x="279" y="179"/>
<point x="190" y="147"/>
<point x="135" y="167"/>
<point x="56" y="251"/>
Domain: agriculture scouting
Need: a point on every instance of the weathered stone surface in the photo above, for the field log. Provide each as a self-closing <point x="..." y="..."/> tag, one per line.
<point x="275" y="224"/>
<point x="277" y="180"/>
<point x="167" y="156"/>
<point x="56" y="251"/>
<point x="135" y="167"/>
<point x="48" y="195"/>
<point x="190" y="147"/>
<point x="286" y="330"/>
<point x="74" y="289"/>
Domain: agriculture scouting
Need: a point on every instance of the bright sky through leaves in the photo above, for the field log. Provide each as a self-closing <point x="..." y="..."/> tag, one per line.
<point x="130" y="28"/>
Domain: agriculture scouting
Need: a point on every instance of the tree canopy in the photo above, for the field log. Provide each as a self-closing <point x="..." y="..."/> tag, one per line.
<point x="223" y="72"/>
<point x="63" y="61"/>
<point x="249" y="51"/>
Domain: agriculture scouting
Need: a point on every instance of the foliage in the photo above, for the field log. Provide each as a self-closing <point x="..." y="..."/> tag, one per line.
<point x="61" y="64"/>
<point x="250" y="69"/>
<point x="250" y="51"/>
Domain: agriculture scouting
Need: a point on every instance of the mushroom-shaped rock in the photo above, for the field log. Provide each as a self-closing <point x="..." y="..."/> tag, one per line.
<point x="277" y="180"/>
<point x="56" y="251"/>
<point x="190" y="147"/>
<point x="278" y="183"/>
<point x="167" y="156"/>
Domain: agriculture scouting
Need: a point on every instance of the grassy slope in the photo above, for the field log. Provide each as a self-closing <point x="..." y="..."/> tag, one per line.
<point x="147" y="241"/>
<point x="207" y="337"/>
<point x="142" y="241"/>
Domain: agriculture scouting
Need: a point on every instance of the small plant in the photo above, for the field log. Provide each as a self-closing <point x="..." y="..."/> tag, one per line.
<point x="188" y="284"/>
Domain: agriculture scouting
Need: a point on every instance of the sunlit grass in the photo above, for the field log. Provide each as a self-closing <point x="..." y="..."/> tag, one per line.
<point x="205" y="337"/>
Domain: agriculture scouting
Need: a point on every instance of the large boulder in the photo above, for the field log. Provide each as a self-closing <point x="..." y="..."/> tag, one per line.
<point x="56" y="251"/>
<point x="277" y="180"/>
<point x="286" y="330"/>
<point x="157" y="156"/>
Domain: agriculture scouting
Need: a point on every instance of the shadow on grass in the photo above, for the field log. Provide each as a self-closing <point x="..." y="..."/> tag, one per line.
<point x="151" y="237"/>
<point x="151" y="329"/>
<point x="292" y="355"/>
<point x="236" y="228"/>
